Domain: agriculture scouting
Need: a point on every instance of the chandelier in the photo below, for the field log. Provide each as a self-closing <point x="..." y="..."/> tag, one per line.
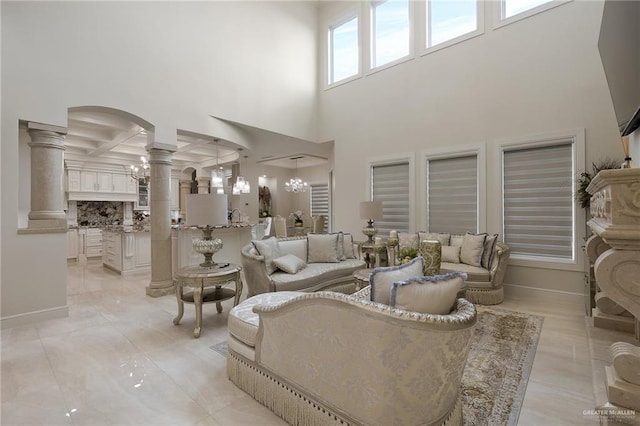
<point x="296" y="184"/>
<point x="142" y="171"/>
<point x="217" y="175"/>
<point x="242" y="185"/>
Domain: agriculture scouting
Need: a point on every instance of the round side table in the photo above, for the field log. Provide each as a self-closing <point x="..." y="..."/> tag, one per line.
<point x="208" y="286"/>
<point x="361" y="278"/>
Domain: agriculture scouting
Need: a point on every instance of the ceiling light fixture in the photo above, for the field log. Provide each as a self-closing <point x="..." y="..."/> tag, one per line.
<point x="217" y="174"/>
<point x="296" y="184"/>
<point x="141" y="172"/>
<point x="242" y="185"/>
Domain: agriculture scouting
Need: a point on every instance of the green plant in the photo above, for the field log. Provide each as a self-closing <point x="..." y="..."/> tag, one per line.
<point x="582" y="196"/>
<point x="407" y="253"/>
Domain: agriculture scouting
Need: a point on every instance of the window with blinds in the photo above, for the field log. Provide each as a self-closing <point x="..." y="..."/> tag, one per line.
<point x="452" y="194"/>
<point x="538" y="201"/>
<point x="320" y="202"/>
<point x="390" y="184"/>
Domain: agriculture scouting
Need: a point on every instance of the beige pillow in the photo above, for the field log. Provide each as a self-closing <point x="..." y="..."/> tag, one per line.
<point x="472" y="248"/>
<point x="381" y="279"/>
<point x="290" y="263"/>
<point x="451" y="254"/>
<point x="435" y="294"/>
<point x="270" y="250"/>
<point x="487" y="253"/>
<point x="347" y="246"/>
<point x="408" y="239"/>
<point x="443" y="238"/>
<point x="322" y="248"/>
<point x="456" y="240"/>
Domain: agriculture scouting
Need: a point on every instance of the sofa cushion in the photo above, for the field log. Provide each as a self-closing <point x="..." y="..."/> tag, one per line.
<point x="347" y="246"/>
<point x="315" y="275"/>
<point x="295" y="246"/>
<point x="433" y="294"/>
<point x="381" y="279"/>
<point x="471" y="250"/>
<point x="451" y="254"/>
<point x="434" y="236"/>
<point x="322" y="248"/>
<point x="474" y="273"/>
<point x="290" y="263"/>
<point x="270" y="250"/>
<point x="487" y="253"/>
<point x="243" y="322"/>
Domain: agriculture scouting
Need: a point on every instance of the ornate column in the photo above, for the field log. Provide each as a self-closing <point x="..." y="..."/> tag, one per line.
<point x="47" y="176"/>
<point x="185" y="189"/>
<point x="203" y="184"/>
<point x="160" y="210"/>
<point x="615" y="211"/>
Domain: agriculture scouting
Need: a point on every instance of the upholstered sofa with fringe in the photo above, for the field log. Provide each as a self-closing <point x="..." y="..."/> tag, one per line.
<point x="481" y="256"/>
<point x="331" y="358"/>
<point x="314" y="262"/>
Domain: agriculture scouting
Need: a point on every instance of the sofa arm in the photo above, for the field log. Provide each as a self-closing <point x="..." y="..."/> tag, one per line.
<point x="499" y="263"/>
<point x="255" y="272"/>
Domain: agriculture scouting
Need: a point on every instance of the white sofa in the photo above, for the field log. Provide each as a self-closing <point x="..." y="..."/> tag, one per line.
<point x="327" y="358"/>
<point x="315" y="276"/>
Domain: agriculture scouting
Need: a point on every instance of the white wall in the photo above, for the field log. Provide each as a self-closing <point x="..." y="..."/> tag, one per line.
<point x="539" y="75"/>
<point x="176" y="65"/>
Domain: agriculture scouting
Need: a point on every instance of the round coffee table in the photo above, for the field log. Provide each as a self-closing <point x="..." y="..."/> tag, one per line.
<point x="361" y="278"/>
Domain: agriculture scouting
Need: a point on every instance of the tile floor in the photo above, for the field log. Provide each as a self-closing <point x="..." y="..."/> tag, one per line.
<point x="119" y="360"/>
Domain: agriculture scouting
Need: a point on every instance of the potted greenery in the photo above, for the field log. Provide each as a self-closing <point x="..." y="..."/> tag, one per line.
<point x="582" y="196"/>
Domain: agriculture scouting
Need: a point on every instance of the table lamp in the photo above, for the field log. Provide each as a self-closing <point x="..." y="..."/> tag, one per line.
<point x="207" y="210"/>
<point x="370" y="210"/>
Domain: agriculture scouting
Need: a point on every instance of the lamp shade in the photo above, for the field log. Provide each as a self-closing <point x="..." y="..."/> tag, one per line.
<point x="207" y="209"/>
<point x="371" y="210"/>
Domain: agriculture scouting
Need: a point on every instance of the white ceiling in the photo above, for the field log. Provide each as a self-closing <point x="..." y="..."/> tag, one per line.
<point x="100" y="135"/>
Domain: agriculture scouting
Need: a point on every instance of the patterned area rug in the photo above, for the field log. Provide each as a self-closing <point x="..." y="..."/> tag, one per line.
<point x="498" y="367"/>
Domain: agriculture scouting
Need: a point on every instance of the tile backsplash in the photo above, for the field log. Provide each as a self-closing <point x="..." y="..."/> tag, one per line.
<point x="100" y="213"/>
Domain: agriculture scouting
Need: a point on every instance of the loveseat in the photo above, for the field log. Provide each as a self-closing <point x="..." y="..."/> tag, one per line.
<point x="331" y="358"/>
<point x="481" y="256"/>
<point x="311" y="263"/>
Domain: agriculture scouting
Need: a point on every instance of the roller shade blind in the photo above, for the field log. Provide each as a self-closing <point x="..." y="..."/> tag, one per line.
<point x="452" y="194"/>
<point x="320" y="202"/>
<point x="390" y="185"/>
<point x="538" y="201"/>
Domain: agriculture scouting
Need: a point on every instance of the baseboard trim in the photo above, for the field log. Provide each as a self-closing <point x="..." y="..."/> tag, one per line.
<point x="33" y="317"/>
<point x="543" y="294"/>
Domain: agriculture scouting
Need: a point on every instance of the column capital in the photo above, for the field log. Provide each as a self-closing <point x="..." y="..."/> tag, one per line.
<point x="160" y="156"/>
<point x="32" y="125"/>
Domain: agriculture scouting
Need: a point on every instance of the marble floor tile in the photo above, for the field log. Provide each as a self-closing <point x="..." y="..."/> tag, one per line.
<point x="118" y="359"/>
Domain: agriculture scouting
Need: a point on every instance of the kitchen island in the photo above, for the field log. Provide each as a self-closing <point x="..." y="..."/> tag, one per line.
<point x="126" y="249"/>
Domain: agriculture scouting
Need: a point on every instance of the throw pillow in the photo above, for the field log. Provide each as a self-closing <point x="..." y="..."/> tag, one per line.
<point x="443" y="238"/>
<point x="428" y="295"/>
<point x="451" y="254"/>
<point x="269" y="249"/>
<point x="290" y="263"/>
<point x="322" y="248"/>
<point x="340" y="246"/>
<point x="382" y="278"/>
<point x="487" y="253"/>
<point x="347" y="247"/>
<point x="471" y="250"/>
<point x="408" y="240"/>
<point x="456" y="240"/>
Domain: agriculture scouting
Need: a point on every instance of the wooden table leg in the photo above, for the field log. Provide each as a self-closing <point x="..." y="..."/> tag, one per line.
<point x="177" y="319"/>
<point x="197" y="301"/>
<point x="238" y="290"/>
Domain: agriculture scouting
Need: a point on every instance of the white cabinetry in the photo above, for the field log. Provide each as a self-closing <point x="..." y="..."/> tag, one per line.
<point x="127" y="252"/>
<point x="93" y="242"/>
<point x="93" y="184"/>
<point x="72" y="244"/>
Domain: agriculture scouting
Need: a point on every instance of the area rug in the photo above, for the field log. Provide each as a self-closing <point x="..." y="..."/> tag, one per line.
<point x="498" y="367"/>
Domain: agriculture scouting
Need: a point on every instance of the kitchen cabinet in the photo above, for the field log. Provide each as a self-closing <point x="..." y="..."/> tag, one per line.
<point x="142" y="202"/>
<point x="93" y="185"/>
<point x="72" y="244"/>
<point x="126" y="252"/>
<point x="93" y="242"/>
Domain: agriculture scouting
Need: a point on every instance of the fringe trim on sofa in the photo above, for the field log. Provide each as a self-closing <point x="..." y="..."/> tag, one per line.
<point x="292" y="406"/>
<point x="485" y="296"/>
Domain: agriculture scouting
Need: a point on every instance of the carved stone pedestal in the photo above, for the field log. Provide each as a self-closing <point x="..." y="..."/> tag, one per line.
<point x="615" y="209"/>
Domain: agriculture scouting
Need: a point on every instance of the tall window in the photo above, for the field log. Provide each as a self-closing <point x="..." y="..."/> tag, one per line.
<point x="450" y="19"/>
<point x="515" y="7"/>
<point x="390" y="31"/>
<point x="452" y="194"/>
<point x="320" y="202"/>
<point x="538" y="201"/>
<point x="390" y="184"/>
<point x="344" y="53"/>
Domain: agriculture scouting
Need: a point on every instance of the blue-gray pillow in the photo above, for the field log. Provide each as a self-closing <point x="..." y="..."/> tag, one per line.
<point x="382" y="279"/>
